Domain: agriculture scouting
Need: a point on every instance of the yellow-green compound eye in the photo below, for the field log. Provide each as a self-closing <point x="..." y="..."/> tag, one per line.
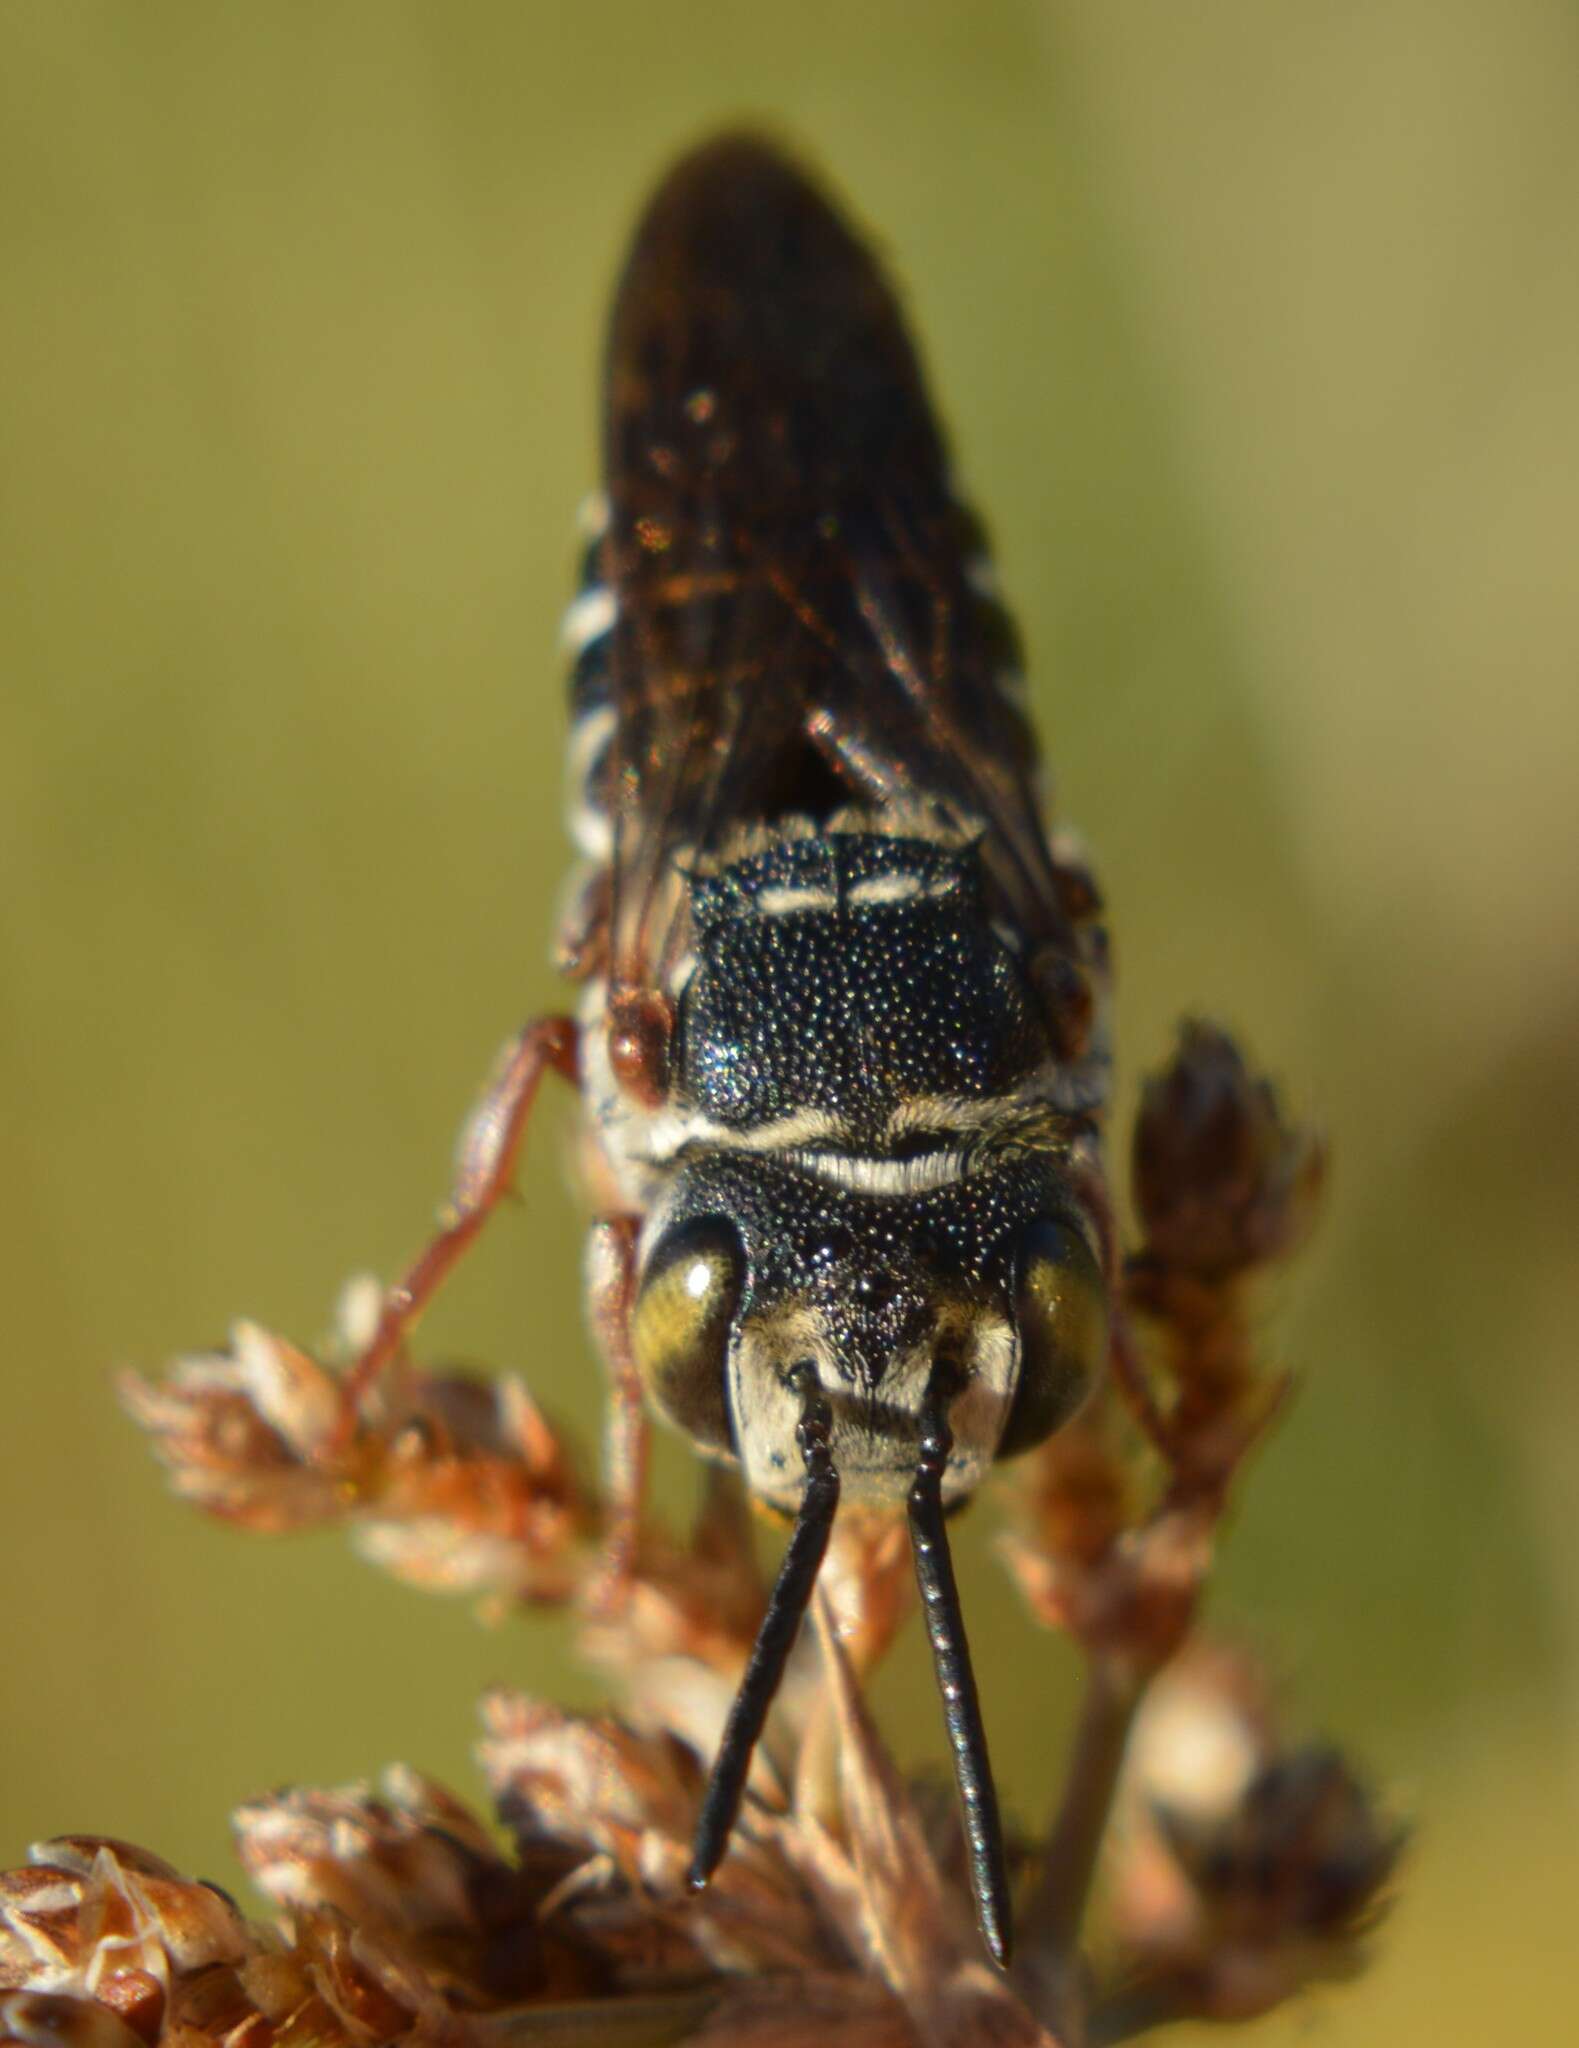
<point x="680" y="1328"/>
<point x="1061" y="1307"/>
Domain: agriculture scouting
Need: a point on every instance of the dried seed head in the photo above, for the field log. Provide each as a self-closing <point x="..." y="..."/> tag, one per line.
<point x="1076" y="1494"/>
<point x="474" y="1493"/>
<point x="412" y="1867"/>
<point x="108" y="1948"/>
<point x="1244" y="1869"/>
<point x="238" y="1432"/>
<point x="592" y="1783"/>
<point x="1207" y="1729"/>
<point x="1250" y="1872"/>
<point x="42" y="2019"/>
<point x="1222" y="1180"/>
<point x="85" y="1909"/>
<point x="453" y="1482"/>
<point x="699" y="1601"/>
<point x="1302" y="1855"/>
<point x="104" y="1942"/>
<point x="404" y="1860"/>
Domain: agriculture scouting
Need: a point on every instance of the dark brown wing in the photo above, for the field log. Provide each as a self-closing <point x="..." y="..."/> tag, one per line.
<point x="797" y="623"/>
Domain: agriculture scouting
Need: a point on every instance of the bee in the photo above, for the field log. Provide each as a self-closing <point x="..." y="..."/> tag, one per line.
<point x="839" y="1039"/>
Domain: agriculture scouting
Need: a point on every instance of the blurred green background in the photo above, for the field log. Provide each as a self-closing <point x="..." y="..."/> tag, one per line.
<point x="1258" y="330"/>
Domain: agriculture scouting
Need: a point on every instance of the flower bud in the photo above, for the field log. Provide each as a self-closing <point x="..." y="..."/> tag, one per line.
<point x="1222" y="1179"/>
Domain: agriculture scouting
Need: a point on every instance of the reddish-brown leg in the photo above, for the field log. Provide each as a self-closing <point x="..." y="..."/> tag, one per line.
<point x="612" y="1268"/>
<point x="485" y="1167"/>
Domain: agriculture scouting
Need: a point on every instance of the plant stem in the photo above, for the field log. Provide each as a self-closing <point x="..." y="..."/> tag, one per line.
<point x="1152" y="2002"/>
<point x="1050" y="1925"/>
<point x="656" y="2022"/>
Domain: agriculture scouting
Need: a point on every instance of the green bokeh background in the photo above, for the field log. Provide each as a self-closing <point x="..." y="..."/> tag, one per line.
<point x="1258" y="330"/>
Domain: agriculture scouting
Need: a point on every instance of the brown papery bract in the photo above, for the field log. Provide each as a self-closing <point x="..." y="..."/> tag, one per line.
<point x="1197" y="1864"/>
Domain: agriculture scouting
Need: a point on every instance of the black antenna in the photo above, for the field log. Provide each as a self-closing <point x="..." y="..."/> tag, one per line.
<point x="951" y="1659"/>
<point x="775" y="1638"/>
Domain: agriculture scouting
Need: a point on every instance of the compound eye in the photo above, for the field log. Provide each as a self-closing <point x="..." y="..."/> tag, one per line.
<point x="1061" y="1308"/>
<point x="680" y="1328"/>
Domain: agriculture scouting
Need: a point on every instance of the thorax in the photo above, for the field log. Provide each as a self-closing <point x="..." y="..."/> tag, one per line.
<point x="847" y="998"/>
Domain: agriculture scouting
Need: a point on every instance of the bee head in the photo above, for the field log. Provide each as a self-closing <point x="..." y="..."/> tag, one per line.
<point x="760" y="1277"/>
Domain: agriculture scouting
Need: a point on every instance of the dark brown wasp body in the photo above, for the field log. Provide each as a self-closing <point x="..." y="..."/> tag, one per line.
<point x="839" y="1039"/>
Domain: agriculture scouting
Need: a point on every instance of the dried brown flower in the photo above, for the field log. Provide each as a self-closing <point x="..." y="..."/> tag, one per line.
<point x="1243" y="1867"/>
<point x="1239" y="1870"/>
<point x="400" y="1919"/>
<point x="452" y="1482"/>
<point x="1222" y="1180"/>
<point x="102" y="1942"/>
